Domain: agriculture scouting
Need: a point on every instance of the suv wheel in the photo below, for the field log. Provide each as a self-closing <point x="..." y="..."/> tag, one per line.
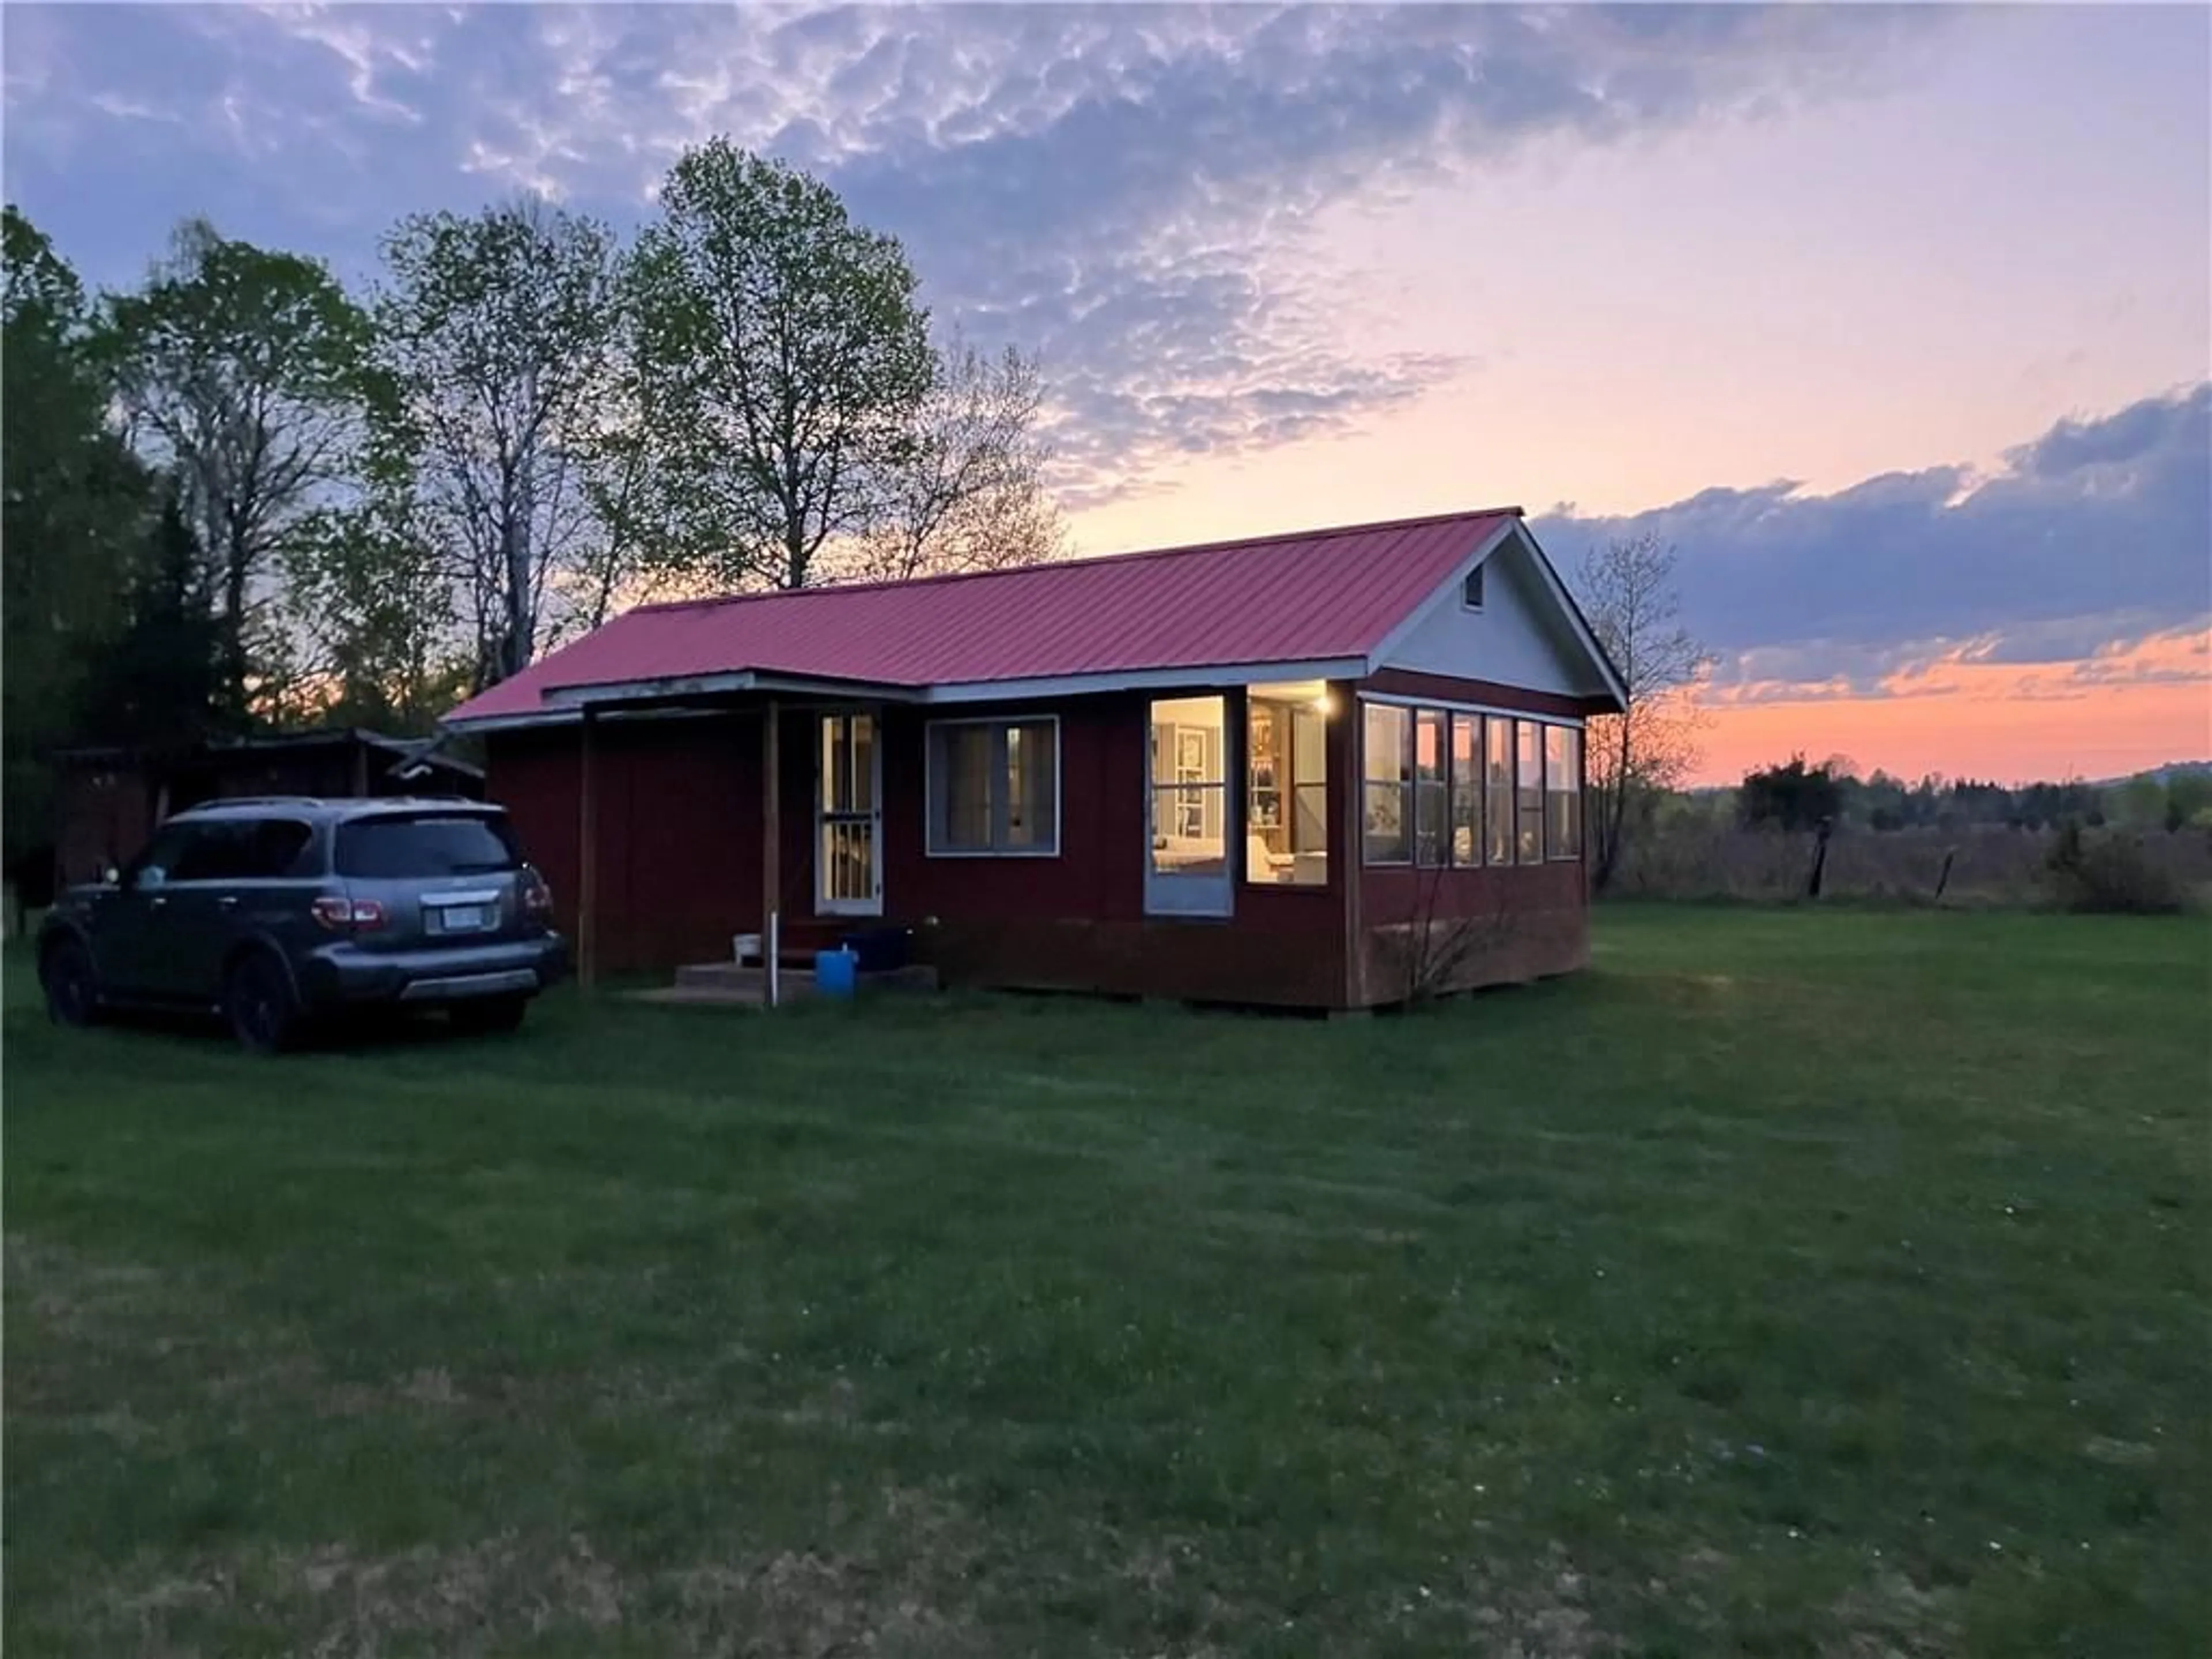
<point x="71" y="984"/>
<point x="259" y="1003"/>
<point x="484" y="1016"/>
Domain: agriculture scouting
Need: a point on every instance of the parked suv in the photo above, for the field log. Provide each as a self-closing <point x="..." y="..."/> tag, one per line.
<point x="277" y="912"/>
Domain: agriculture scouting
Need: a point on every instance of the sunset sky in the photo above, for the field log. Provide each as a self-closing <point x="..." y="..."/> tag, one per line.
<point x="1897" y="322"/>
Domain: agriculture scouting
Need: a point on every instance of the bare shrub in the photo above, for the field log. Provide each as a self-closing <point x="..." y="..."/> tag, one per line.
<point x="2112" y="871"/>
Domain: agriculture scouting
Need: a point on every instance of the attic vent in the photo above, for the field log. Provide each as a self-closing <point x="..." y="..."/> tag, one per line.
<point x="1470" y="593"/>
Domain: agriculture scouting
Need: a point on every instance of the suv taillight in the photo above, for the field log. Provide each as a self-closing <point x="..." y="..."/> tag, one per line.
<point x="344" y="915"/>
<point x="536" y="896"/>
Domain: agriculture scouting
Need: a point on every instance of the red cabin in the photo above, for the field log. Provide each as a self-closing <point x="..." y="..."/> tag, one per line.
<point x="1330" y="770"/>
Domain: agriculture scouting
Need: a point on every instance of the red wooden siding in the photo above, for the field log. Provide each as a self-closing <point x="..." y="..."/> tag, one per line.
<point x="1485" y="926"/>
<point x="679" y="830"/>
<point x="679" y="870"/>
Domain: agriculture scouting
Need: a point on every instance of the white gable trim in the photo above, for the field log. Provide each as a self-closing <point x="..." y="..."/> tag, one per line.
<point x="1394" y="641"/>
<point x="1574" y="615"/>
<point x="1449" y="596"/>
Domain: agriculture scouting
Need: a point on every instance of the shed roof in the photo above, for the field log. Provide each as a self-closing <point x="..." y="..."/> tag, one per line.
<point x="1308" y="597"/>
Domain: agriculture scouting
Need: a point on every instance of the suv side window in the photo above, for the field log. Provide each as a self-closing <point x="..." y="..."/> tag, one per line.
<point x="243" y="849"/>
<point x="281" y="847"/>
<point x="212" y="852"/>
<point x="157" y="865"/>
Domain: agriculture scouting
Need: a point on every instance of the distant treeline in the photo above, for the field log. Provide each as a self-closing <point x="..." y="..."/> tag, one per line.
<point x="1799" y="795"/>
<point x="1801" y="831"/>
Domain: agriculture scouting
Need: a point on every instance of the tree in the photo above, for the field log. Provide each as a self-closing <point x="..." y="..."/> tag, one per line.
<point x="967" y="492"/>
<point x="1792" y="796"/>
<point x="156" y="686"/>
<point x="369" y="608"/>
<point x="241" y="373"/>
<point x="496" y="334"/>
<point x="73" y="512"/>
<point x="1628" y="593"/>
<point x="784" y="358"/>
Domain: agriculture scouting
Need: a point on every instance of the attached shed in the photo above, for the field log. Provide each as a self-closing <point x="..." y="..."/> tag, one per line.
<point x="1328" y="769"/>
<point x="107" y="801"/>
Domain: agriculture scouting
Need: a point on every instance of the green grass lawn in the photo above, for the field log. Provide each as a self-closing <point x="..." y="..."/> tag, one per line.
<point x="1792" y="1283"/>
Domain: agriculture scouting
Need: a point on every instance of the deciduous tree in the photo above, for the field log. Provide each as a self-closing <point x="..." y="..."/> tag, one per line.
<point x="784" y="358"/>
<point x="370" y="612"/>
<point x="497" y="334"/>
<point x="966" y="491"/>
<point x="242" y="372"/>
<point x="1627" y="591"/>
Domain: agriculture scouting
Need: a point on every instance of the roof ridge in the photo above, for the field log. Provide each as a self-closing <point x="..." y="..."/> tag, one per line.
<point x="1323" y="533"/>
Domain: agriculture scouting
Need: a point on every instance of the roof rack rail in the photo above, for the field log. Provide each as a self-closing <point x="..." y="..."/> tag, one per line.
<point x="253" y="801"/>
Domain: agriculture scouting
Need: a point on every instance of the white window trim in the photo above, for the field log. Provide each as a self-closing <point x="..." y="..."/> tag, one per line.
<point x="929" y="848"/>
<point x="1479" y="570"/>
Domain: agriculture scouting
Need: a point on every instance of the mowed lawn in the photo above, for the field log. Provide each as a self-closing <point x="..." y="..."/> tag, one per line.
<point x="1792" y="1283"/>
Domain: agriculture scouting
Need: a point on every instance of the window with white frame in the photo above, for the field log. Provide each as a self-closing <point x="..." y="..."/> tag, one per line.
<point x="1562" y="791"/>
<point x="994" y="787"/>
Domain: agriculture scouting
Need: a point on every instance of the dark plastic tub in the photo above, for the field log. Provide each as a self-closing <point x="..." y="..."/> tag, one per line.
<point x="880" y="949"/>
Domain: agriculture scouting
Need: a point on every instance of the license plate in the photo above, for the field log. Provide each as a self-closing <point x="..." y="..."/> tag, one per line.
<point x="462" y="918"/>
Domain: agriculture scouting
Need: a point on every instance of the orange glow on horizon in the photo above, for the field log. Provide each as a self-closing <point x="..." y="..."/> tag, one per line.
<point x="2122" y="711"/>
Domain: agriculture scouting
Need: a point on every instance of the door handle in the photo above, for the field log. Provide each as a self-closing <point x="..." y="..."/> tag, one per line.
<point x="226" y="903"/>
<point x="157" y="902"/>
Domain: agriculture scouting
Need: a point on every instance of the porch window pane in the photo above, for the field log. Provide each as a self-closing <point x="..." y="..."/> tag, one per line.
<point x="1385" y="784"/>
<point x="849" y="764"/>
<point x="848" y="861"/>
<point x="1286" y="784"/>
<point x="1562" y="791"/>
<point x="1529" y="790"/>
<point x="861" y="756"/>
<point x="1498" y="790"/>
<point x="1467" y="789"/>
<point x="1190" y="787"/>
<point x="1431" y="804"/>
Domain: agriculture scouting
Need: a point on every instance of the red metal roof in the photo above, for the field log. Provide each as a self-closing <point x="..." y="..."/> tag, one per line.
<point x="1309" y="596"/>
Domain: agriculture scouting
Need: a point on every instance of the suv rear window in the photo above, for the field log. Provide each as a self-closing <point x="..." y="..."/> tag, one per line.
<point x="394" y="848"/>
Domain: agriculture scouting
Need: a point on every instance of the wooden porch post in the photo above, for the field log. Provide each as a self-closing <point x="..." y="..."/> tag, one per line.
<point x="1348" y="851"/>
<point x="587" y="857"/>
<point x="771" y="847"/>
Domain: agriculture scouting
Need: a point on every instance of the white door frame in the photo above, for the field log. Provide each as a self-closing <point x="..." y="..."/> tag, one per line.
<point x="873" y="818"/>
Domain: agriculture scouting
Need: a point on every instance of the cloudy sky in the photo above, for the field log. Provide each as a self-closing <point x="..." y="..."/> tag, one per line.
<point x="1897" y="322"/>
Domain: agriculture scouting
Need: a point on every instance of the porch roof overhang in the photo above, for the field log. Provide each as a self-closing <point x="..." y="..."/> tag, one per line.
<point x="707" y="694"/>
